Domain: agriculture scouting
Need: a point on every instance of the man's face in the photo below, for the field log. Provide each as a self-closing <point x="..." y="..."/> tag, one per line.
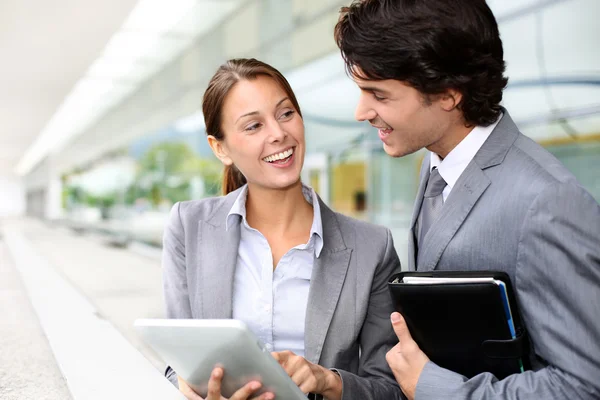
<point x="406" y="122"/>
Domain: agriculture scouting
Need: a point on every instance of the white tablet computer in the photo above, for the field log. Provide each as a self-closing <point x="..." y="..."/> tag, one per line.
<point x="193" y="347"/>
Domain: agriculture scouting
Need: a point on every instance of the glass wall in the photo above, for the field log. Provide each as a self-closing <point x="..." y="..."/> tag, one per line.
<point x="553" y="95"/>
<point x="583" y="160"/>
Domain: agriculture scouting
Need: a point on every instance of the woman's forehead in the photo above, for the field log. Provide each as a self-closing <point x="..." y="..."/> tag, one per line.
<point x="262" y="94"/>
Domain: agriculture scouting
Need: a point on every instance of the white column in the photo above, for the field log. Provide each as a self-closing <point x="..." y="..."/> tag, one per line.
<point x="12" y="198"/>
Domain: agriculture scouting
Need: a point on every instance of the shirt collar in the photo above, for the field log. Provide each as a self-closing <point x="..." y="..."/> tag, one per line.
<point x="455" y="163"/>
<point x="316" y="230"/>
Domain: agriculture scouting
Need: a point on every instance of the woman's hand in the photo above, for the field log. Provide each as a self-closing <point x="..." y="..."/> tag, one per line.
<point x="214" y="389"/>
<point x="309" y="377"/>
<point x="187" y="390"/>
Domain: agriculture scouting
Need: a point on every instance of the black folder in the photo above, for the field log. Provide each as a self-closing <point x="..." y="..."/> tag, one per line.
<point x="464" y="327"/>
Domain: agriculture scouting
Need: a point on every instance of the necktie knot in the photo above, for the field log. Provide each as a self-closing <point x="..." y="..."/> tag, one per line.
<point x="435" y="184"/>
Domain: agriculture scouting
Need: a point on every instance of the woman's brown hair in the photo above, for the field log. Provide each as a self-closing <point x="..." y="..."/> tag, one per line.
<point x="219" y="87"/>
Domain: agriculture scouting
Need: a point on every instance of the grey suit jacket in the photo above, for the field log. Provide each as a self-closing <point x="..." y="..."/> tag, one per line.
<point x="517" y="209"/>
<point x="348" y="307"/>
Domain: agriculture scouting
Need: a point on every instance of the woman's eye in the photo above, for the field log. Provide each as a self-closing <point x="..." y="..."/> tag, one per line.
<point x="252" y="127"/>
<point x="287" y="114"/>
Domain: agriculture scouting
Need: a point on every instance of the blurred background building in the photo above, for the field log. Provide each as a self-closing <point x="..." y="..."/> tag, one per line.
<point x="101" y="129"/>
<point x="101" y="121"/>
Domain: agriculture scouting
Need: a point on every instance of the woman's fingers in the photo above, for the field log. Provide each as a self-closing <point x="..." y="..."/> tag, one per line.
<point x="214" y="389"/>
<point x="265" y="396"/>
<point x="187" y="391"/>
<point x="214" y="384"/>
<point x="248" y="390"/>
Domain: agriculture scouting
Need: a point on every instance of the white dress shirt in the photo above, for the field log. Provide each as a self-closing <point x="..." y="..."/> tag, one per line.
<point x="273" y="302"/>
<point x="455" y="163"/>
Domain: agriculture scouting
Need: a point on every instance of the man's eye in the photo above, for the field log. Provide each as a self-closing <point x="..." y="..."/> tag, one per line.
<point x="378" y="98"/>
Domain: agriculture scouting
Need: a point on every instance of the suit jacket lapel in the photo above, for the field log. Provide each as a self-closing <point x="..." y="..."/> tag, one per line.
<point x="327" y="279"/>
<point x="217" y="254"/>
<point x="468" y="189"/>
<point x="412" y="242"/>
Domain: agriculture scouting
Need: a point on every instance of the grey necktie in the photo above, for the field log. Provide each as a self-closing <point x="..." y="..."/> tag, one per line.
<point x="432" y="202"/>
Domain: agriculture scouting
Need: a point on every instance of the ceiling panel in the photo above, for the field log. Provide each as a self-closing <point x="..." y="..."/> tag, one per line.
<point x="46" y="47"/>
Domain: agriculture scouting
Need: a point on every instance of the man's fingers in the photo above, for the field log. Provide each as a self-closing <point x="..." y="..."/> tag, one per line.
<point x="400" y="328"/>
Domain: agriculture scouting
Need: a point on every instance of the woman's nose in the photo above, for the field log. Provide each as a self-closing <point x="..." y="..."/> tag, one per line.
<point x="277" y="132"/>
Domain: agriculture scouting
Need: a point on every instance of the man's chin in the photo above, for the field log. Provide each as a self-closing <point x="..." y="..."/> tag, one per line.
<point x="396" y="151"/>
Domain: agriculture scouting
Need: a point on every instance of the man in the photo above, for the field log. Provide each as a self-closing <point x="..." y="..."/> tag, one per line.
<point x="431" y="76"/>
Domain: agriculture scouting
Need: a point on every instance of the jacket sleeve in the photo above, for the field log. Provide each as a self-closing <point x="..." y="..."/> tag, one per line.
<point x="375" y="379"/>
<point x="175" y="289"/>
<point x="558" y="287"/>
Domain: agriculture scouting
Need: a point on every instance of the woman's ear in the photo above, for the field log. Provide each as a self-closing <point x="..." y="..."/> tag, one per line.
<point x="219" y="149"/>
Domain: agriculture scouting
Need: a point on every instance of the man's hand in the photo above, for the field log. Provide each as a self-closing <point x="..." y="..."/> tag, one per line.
<point x="309" y="377"/>
<point x="406" y="358"/>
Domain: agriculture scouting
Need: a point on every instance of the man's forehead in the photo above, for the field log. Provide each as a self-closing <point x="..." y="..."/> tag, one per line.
<point x="372" y="84"/>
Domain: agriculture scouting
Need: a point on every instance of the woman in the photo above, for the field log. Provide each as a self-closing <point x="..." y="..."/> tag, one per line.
<point x="310" y="283"/>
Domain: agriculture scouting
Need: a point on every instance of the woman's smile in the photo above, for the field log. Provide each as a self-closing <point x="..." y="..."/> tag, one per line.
<point x="281" y="159"/>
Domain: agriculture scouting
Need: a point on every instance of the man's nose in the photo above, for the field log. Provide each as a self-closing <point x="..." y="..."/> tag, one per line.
<point x="363" y="112"/>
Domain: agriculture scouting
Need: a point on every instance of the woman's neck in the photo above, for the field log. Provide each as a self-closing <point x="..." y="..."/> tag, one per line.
<point x="278" y="211"/>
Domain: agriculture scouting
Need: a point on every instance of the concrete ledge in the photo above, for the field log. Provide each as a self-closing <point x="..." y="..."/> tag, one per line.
<point x="28" y="369"/>
<point x="95" y="359"/>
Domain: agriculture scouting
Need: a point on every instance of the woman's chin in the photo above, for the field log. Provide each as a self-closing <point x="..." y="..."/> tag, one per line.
<point x="282" y="183"/>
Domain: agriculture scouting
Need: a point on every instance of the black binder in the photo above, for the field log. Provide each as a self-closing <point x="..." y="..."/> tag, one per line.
<point x="464" y="327"/>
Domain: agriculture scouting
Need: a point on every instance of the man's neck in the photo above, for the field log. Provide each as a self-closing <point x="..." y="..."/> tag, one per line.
<point x="455" y="134"/>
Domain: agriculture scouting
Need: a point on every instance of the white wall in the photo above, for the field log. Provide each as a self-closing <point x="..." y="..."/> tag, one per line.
<point x="44" y="178"/>
<point x="12" y="197"/>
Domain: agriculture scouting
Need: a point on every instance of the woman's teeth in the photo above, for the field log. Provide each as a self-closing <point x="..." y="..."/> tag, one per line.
<point x="279" y="156"/>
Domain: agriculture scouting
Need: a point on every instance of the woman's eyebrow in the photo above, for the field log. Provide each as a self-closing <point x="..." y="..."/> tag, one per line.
<point x="281" y="101"/>
<point x="247" y="114"/>
<point x="256" y="112"/>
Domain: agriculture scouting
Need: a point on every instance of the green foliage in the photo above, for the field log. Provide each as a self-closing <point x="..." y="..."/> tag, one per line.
<point x="170" y="167"/>
<point x="164" y="174"/>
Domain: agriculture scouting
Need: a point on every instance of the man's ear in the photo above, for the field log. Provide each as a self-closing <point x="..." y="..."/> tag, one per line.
<point x="219" y="149"/>
<point x="450" y="99"/>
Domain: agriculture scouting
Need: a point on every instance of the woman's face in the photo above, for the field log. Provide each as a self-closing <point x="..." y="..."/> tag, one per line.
<point x="264" y="135"/>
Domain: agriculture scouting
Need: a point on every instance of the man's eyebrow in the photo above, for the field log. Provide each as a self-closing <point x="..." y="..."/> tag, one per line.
<point x="256" y="112"/>
<point x="373" y="89"/>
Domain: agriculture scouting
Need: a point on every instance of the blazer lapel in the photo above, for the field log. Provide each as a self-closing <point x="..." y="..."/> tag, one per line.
<point x="468" y="189"/>
<point x="412" y="242"/>
<point x="218" y="253"/>
<point x="327" y="279"/>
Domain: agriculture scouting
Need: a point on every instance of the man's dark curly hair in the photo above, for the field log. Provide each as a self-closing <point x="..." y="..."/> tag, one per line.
<point x="432" y="45"/>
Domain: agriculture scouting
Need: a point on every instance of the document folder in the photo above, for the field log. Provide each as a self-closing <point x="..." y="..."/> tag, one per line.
<point x="467" y="322"/>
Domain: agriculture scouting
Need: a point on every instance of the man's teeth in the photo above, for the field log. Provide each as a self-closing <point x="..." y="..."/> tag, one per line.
<point x="279" y="156"/>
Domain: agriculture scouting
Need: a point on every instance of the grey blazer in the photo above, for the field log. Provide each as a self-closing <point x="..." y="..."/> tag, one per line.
<point x="348" y="313"/>
<point x="517" y="209"/>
